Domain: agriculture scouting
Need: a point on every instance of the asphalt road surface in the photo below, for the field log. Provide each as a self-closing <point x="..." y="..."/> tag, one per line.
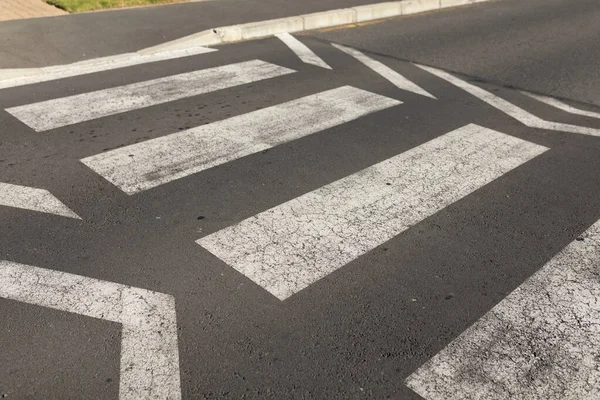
<point x="287" y="218"/>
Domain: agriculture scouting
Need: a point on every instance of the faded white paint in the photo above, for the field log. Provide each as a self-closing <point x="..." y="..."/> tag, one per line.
<point x="394" y="77"/>
<point x="33" y="199"/>
<point x="508" y="108"/>
<point x="561" y="106"/>
<point x="289" y="247"/>
<point x="152" y="163"/>
<point x="149" y="352"/>
<point x="84" y="107"/>
<point x="27" y="76"/>
<point x="541" y="342"/>
<point x="302" y="51"/>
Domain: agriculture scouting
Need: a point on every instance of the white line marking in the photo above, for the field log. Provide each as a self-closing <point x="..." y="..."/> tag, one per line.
<point x="394" y="77"/>
<point x="45" y="74"/>
<point x="560" y="105"/>
<point x="152" y="163"/>
<point x="540" y="342"/>
<point x="510" y="109"/>
<point x="149" y="353"/>
<point x="291" y="246"/>
<point x="302" y="51"/>
<point x="33" y="199"/>
<point x="84" y="107"/>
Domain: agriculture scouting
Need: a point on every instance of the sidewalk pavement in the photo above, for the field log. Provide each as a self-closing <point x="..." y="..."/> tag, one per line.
<point x="19" y="9"/>
<point x="65" y="39"/>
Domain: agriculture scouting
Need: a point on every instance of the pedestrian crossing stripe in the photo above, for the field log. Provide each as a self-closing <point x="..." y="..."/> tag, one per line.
<point x="291" y="246"/>
<point x="539" y="342"/>
<point x="70" y="110"/>
<point x="149" y="164"/>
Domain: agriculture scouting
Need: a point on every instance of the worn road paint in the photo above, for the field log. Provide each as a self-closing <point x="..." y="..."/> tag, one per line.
<point x="540" y="343"/>
<point x="291" y="246"/>
<point x="84" y="107"/>
<point x="302" y="51"/>
<point x="560" y="105"/>
<point x="394" y="77"/>
<point x="149" y="352"/>
<point x="508" y="108"/>
<point x="33" y="199"/>
<point x="152" y="163"/>
<point x="45" y="74"/>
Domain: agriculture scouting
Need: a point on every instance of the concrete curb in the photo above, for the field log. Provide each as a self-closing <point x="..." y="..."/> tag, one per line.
<point x="325" y="19"/>
<point x="233" y="33"/>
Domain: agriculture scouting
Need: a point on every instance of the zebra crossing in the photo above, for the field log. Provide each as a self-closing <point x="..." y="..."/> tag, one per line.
<point x="289" y="247"/>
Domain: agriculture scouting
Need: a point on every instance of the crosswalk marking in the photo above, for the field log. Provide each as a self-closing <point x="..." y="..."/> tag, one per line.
<point x="561" y="106"/>
<point x="394" y="77"/>
<point x="33" y="199"/>
<point x="508" y="108"/>
<point x="289" y="247"/>
<point x="44" y="74"/>
<point x="302" y="51"/>
<point x="55" y="113"/>
<point x="152" y="163"/>
<point x="149" y="353"/>
<point x="540" y="342"/>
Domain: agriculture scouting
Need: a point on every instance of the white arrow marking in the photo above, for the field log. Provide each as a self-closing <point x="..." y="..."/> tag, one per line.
<point x="540" y="343"/>
<point x="560" y="105"/>
<point x="33" y="199"/>
<point x="302" y="51"/>
<point x="149" y="353"/>
<point x="508" y="108"/>
<point x="291" y="246"/>
<point x="398" y="80"/>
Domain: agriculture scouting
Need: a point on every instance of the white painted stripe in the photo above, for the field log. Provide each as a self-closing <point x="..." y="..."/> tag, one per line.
<point x="289" y="247"/>
<point x="33" y="199"/>
<point x="302" y="51"/>
<point x="149" y="352"/>
<point x="510" y="109"/>
<point x="394" y="77"/>
<point x="561" y="106"/>
<point x="37" y="75"/>
<point x="152" y="163"/>
<point x="83" y="107"/>
<point x="540" y="343"/>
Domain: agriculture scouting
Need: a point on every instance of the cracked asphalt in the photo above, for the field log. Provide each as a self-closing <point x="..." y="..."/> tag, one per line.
<point x="363" y="328"/>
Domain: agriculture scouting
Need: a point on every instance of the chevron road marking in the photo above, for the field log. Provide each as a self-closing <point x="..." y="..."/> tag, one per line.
<point x="510" y="109"/>
<point x="398" y="80"/>
<point x="289" y="247"/>
<point x="149" y="352"/>
<point x="145" y="165"/>
<point x="65" y="111"/>
<point x="540" y="343"/>
<point x="33" y="199"/>
<point x="561" y="106"/>
<point x="302" y="51"/>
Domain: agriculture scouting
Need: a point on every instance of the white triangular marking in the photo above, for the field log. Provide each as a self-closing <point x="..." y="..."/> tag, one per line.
<point x="560" y="105"/>
<point x="302" y="51"/>
<point x="33" y="199"/>
<point x="398" y="80"/>
<point x="508" y="108"/>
